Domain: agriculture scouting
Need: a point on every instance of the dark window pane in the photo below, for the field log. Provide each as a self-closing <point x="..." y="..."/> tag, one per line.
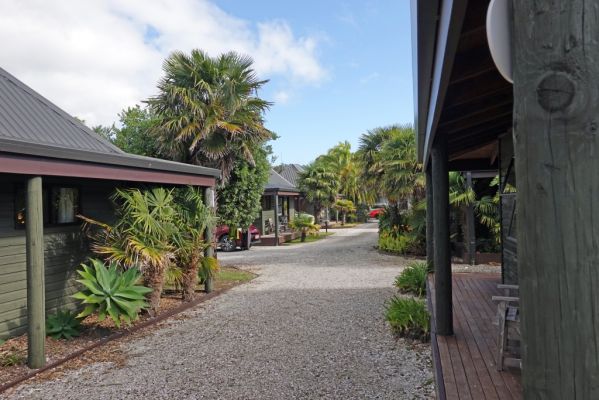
<point x="65" y="205"/>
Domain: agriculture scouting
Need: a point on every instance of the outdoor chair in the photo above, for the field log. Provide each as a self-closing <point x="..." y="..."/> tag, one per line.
<point x="268" y="226"/>
<point x="508" y="321"/>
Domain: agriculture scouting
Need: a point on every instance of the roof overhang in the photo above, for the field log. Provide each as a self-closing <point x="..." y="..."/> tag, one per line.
<point x="458" y="91"/>
<point x="281" y="192"/>
<point x="18" y="157"/>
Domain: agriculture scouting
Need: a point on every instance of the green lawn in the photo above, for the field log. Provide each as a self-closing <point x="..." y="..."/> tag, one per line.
<point x="311" y="238"/>
<point x="228" y="274"/>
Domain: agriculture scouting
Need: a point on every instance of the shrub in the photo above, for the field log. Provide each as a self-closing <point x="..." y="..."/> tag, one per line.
<point x="408" y="317"/>
<point x="208" y="268"/>
<point x="305" y="225"/>
<point x="111" y="292"/>
<point x="400" y="244"/>
<point x="63" y="325"/>
<point x="413" y="279"/>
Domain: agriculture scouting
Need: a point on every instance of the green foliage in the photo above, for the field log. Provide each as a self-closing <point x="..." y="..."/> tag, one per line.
<point x="12" y="357"/>
<point x="306" y="215"/>
<point x="63" y="324"/>
<point x="400" y="244"/>
<point x="389" y="163"/>
<point x="408" y="317"/>
<point x="111" y="292"/>
<point x="305" y="224"/>
<point x="239" y="200"/>
<point x="413" y="279"/>
<point x="208" y="268"/>
<point x="207" y="109"/>
<point x="362" y="212"/>
<point x="135" y="135"/>
<point x="320" y="186"/>
<point x="340" y="161"/>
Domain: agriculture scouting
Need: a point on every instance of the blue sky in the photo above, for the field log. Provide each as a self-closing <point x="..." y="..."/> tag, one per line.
<point x="364" y="47"/>
<point x="336" y="68"/>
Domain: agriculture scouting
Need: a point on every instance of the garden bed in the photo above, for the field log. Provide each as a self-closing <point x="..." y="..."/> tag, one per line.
<point x="94" y="343"/>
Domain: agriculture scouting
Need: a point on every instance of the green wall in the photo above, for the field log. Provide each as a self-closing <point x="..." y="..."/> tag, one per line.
<point x="65" y="248"/>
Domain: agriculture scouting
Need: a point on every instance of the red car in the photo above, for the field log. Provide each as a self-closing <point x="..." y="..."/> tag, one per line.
<point x="376" y="212"/>
<point x="225" y="243"/>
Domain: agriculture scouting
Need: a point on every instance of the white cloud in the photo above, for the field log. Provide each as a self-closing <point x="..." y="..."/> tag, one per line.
<point x="369" y="78"/>
<point x="94" y="58"/>
<point x="281" y="97"/>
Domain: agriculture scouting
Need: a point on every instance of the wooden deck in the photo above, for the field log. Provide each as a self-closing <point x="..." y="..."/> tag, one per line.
<point x="464" y="364"/>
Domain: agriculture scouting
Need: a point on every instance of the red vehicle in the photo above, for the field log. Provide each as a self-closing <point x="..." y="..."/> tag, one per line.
<point x="376" y="212"/>
<point x="225" y="243"/>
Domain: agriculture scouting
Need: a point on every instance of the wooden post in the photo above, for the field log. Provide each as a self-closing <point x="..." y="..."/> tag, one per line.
<point x="36" y="299"/>
<point x="470" y="239"/>
<point x="442" y="259"/>
<point x="430" y="242"/>
<point x="209" y="236"/>
<point x="276" y="219"/>
<point x="556" y="142"/>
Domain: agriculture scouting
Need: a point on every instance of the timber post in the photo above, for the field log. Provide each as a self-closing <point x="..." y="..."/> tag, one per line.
<point x="556" y="143"/>
<point x="442" y="259"/>
<point x="209" y="236"/>
<point x="276" y="219"/>
<point x="36" y="303"/>
<point x="430" y="242"/>
<point x="471" y="228"/>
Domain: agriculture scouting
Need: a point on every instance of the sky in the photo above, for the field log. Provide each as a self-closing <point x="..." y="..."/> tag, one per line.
<point x="336" y="68"/>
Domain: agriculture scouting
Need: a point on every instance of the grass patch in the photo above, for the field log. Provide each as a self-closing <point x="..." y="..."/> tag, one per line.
<point x="408" y="318"/>
<point x="229" y="274"/>
<point x="311" y="238"/>
<point x="12" y="357"/>
<point x="413" y="279"/>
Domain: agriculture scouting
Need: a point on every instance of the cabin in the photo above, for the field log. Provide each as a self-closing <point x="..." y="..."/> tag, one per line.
<point x="52" y="168"/>
<point x="539" y="133"/>
<point x="291" y="173"/>
<point x="279" y="206"/>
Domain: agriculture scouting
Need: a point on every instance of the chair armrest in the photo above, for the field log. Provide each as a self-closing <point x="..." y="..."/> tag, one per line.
<point x="506" y="299"/>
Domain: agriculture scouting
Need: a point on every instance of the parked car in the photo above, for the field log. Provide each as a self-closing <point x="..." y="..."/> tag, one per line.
<point x="225" y="243"/>
<point x="374" y="213"/>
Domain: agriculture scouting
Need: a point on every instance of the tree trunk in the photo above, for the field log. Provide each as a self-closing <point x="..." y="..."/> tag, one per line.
<point x="343" y="221"/>
<point x="303" y="237"/>
<point x="155" y="280"/>
<point x="190" y="278"/>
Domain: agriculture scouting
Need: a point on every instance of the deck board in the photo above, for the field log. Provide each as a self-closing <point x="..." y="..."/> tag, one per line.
<point x="467" y="359"/>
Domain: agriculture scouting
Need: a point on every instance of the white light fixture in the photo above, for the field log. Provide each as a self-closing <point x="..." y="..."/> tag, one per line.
<point x="499" y="36"/>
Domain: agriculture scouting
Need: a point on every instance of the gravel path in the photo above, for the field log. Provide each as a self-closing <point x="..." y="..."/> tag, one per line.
<point x="310" y="326"/>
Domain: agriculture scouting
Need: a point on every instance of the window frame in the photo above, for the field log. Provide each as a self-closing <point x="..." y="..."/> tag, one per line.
<point x="47" y="204"/>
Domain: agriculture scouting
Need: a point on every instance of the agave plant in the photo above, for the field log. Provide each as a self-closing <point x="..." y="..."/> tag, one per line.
<point x="63" y="324"/>
<point x="111" y="292"/>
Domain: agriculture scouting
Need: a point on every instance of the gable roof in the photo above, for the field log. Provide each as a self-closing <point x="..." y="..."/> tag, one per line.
<point x="291" y="173"/>
<point x="33" y="128"/>
<point x="277" y="183"/>
<point x="26" y="115"/>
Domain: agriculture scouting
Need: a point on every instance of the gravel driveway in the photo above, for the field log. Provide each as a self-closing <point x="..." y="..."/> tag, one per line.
<point x="310" y="326"/>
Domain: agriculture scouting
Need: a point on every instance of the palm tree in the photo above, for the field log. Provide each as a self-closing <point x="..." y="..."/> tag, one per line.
<point x="341" y="161"/>
<point x="207" y="109"/>
<point x="369" y="155"/>
<point x="319" y="185"/>
<point x="141" y="236"/>
<point x="193" y="216"/>
<point x="344" y="207"/>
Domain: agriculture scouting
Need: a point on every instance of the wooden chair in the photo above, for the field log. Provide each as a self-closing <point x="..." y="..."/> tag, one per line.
<point x="268" y="226"/>
<point x="508" y="321"/>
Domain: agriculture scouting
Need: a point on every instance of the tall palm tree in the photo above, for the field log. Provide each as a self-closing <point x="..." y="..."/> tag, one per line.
<point x="369" y="155"/>
<point x="341" y="161"/>
<point x="208" y="110"/>
<point x="320" y="186"/>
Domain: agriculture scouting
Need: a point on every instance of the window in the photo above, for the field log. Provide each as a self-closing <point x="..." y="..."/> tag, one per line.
<point x="64" y="205"/>
<point x="60" y="205"/>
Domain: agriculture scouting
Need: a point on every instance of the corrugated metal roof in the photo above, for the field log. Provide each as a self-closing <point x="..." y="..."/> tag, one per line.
<point x="31" y="125"/>
<point x="291" y="172"/>
<point x="277" y="182"/>
<point x="26" y="115"/>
